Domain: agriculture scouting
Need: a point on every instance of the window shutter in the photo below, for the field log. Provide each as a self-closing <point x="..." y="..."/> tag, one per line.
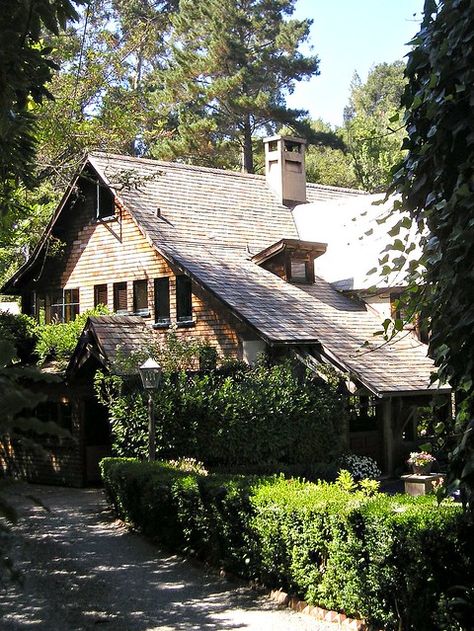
<point x="120" y="297"/>
<point x="100" y="295"/>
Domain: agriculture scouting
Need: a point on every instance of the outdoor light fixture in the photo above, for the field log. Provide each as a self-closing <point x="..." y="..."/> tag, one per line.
<point x="150" y="373"/>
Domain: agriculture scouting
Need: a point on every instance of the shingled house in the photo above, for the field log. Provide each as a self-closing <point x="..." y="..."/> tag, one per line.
<point x="218" y="254"/>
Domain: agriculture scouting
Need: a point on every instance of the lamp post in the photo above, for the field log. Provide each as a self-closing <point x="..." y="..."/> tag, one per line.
<point x="150" y="373"/>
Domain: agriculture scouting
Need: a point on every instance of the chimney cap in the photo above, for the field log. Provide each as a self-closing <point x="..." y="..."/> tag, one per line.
<point x="284" y="137"/>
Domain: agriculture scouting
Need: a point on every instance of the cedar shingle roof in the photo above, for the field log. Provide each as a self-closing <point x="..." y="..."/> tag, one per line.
<point x="212" y="221"/>
<point x="127" y="333"/>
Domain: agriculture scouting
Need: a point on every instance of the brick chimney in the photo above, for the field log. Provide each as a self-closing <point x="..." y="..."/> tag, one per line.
<point x="284" y="168"/>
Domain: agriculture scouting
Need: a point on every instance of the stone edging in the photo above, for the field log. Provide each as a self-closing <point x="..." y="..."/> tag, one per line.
<point x="320" y="614"/>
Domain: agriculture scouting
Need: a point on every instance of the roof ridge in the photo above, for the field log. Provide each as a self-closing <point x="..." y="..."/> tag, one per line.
<point x="337" y="188"/>
<point x="175" y="165"/>
<point x="196" y="167"/>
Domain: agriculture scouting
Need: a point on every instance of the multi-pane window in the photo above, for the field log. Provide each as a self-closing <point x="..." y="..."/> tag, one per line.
<point x="120" y="297"/>
<point x="162" y="300"/>
<point x="62" y="306"/>
<point x="100" y="295"/>
<point x="58" y="412"/>
<point x="140" y="297"/>
<point x="105" y="205"/>
<point x="184" y="308"/>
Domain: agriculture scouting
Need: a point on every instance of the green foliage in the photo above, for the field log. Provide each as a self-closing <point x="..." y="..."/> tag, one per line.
<point x="373" y="130"/>
<point x="21" y="330"/>
<point x="259" y="416"/>
<point x="342" y="548"/>
<point x="436" y="188"/>
<point x="27" y="66"/>
<point x="57" y="341"/>
<point x="329" y="164"/>
<point x="221" y="85"/>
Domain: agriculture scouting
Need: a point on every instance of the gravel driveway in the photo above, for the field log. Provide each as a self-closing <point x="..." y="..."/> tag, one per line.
<point x="84" y="570"/>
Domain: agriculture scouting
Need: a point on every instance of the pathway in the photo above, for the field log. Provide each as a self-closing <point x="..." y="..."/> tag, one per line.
<point x="84" y="570"/>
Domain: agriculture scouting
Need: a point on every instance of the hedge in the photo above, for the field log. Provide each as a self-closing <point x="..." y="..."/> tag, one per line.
<point x="388" y="559"/>
<point x="260" y="416"/>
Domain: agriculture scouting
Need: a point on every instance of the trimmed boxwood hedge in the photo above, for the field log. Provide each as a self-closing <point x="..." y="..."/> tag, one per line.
<point x="389" y="559"/>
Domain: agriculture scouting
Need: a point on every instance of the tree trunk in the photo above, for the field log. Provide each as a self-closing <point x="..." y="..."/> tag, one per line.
<point x="247" y="151"/>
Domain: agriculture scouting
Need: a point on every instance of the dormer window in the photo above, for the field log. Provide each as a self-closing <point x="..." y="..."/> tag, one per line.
<point x="291" y="259"/>
<point x="105" y="203"/>
<point x="299" y="271"/>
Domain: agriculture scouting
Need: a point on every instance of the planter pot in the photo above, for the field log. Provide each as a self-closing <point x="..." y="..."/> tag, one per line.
<point x="422" y="469"/>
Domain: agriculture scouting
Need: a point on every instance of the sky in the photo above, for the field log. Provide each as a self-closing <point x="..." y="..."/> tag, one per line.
<point x="349" y="35"/>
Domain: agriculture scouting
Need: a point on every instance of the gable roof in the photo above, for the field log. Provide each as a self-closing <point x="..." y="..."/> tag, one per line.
<point x="105" y="336"/>
<point x="209" y="223"/>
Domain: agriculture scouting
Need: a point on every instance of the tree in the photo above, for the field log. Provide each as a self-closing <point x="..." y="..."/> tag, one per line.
<point x="373" y="134"/>
<point x="27" y="67"/>
<point x="436" y="185"/>
<point x="100" y="69"/>
<point x="231" y="64"/>
<point x="329" y="165"/>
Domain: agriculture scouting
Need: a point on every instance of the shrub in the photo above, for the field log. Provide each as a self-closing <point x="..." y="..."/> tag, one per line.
<point x="58" y="340"/>
<point x="391" y="560"/>
<point x="262" y="417"/>
<point x="360" y="467"/>
<point x="21" y="330"/>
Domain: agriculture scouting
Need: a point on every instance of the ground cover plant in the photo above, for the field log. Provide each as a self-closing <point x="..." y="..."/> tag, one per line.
<point x="389" y="559"/>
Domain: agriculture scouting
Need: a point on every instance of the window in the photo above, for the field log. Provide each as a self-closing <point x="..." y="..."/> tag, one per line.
<point x="71" y="304"/>
<point x="299" y="270"/>
<point x="58" y="412"/>
<point x="120" y="297"/>
<point x="100" y="295"/>
<point x="62" y="306"/>
<point x="105" y="204"/>
<point x="140" y="297"/>
<point x="162" y="301"/>
<point x="184" y="309"/>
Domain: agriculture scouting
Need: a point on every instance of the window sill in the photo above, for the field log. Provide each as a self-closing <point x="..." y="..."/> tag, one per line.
<point x="108" y="219"/>
<point x="142" y="314"/>
<point x="165" y="324"/>
<point x="186" y="324"/>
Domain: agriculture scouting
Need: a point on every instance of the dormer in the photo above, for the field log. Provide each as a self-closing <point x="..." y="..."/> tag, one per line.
<point x="285" y="168"/>
<point x="291" y="259"/>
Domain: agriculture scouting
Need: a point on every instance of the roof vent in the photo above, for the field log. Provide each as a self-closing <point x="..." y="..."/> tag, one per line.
<point x="285" y="168"/>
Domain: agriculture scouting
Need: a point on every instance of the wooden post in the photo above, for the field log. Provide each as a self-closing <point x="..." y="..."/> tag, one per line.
<point x="387" y="435"/>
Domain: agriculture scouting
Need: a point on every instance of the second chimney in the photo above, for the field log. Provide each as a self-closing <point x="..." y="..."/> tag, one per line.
<point x="285" y="169"/>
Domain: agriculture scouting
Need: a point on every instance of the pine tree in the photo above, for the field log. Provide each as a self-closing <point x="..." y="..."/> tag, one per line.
<point x="231" y="65"/>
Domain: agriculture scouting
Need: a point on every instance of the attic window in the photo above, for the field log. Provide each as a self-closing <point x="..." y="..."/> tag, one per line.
<point x="300" y="271"/>
<point x="105" y="205"/>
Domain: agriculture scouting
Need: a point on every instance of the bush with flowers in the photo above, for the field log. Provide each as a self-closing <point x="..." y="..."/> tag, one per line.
<point x="360" y="467"/>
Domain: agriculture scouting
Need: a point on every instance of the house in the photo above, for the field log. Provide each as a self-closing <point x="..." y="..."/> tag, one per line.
<point x="219" y="255"/>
